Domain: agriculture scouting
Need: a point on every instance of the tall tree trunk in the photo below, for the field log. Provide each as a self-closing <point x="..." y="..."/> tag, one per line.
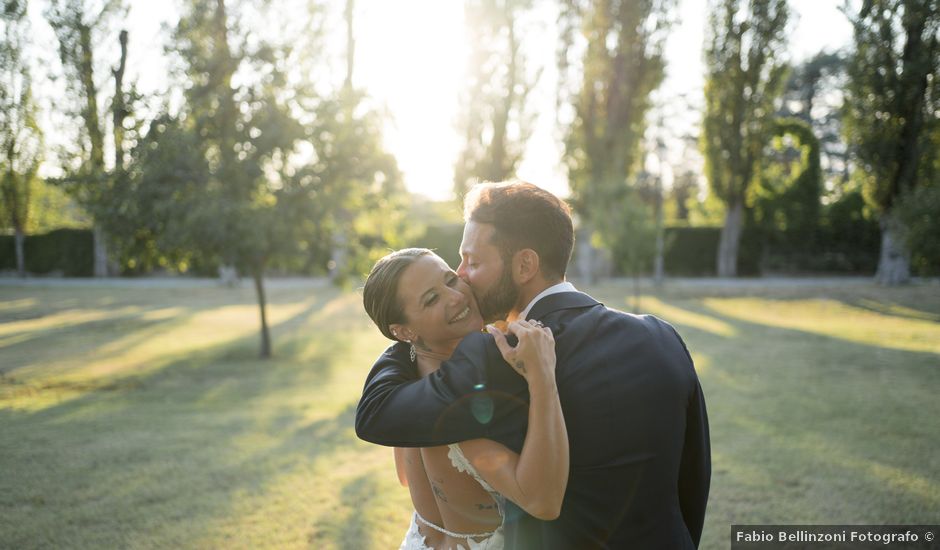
<point x="118" y="109"/>
<point x="350" y="44"/>
<point x="90" y="113"/>
<point x="894" y="260"/>
<point x="499" y="168"/>
<point x="730" y="240"/>
<point x="19" y="237"/>
<point x="100" y="251"/>
<point x="258" y="276"/>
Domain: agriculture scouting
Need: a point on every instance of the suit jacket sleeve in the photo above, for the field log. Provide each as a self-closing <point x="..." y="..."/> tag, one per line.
<point x="695" y="468"/>
<point x="461" y="401"/>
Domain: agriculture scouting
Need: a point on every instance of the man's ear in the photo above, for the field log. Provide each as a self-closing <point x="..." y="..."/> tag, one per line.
<point x="525" y="266"/>
<point x="402" y="332"/>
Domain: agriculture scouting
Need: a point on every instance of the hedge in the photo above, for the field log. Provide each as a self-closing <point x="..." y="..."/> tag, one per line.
<point x="69" y="252"/>
<point x="689" y="252"/>
<point x="692" y="252"/>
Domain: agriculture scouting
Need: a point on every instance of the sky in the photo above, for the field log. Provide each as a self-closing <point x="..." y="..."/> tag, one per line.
<point x="410" y="59"/>
<point x="424" y="102"/>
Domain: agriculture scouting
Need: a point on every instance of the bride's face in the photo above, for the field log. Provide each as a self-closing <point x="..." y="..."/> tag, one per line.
<point x="439" y="306"/>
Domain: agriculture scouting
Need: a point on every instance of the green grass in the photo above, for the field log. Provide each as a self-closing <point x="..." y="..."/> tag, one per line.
<point x="142" y="418"/>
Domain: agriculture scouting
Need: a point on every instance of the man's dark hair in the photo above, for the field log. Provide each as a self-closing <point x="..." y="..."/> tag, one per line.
<point x="524" y="216"/>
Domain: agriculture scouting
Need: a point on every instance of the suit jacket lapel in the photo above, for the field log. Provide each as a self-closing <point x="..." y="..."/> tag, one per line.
<point x="559" y="301"/>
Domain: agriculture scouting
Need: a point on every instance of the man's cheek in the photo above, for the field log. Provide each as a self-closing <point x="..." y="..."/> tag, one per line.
<point x="476" y="281"/>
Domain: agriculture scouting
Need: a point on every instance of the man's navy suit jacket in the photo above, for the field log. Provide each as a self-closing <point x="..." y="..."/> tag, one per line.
<point x="633" y="406"/>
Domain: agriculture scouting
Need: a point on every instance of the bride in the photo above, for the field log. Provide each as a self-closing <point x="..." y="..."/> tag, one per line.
<point x="457" y="490"/>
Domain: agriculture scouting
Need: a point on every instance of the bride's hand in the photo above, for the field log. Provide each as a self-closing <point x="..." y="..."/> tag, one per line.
<point x="534" y="355"/>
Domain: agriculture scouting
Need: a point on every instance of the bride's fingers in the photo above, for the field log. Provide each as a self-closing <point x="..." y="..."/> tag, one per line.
<point x="520" y="325"/>
<point x="504" y="348"/>
<point x="515" y="328"/>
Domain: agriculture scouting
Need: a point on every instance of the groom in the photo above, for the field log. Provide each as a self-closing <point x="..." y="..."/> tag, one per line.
<point x="634" y="409"/>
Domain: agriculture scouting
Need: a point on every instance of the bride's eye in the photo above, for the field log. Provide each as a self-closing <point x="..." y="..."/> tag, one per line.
<point x="452" y="280"/>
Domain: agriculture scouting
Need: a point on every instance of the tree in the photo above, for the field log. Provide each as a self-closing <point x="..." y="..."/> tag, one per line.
<point x="785" y="198"/>
<point x="77" y="25"/>
<point x="363" y="208"/>
<point x="494" y="120"/>
<point x="892" y="102"/>
<point x="236" y="134"/>
<point x="622" y="65"/>
<point x="744" y="79"/>
<point x="633" y="240"/>
<point x="223" y="181"/>
<point x="20" y="136"/>
<point x="814" y="94"/>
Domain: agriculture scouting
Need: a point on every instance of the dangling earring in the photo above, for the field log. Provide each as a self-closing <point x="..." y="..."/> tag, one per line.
<point x="412" y="353"/>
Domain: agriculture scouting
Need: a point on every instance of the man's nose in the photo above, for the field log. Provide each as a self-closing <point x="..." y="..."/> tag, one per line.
<point x="462" y="271"/>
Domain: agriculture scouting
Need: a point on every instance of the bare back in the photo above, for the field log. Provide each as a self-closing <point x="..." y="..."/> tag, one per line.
<point x="464" y="505"/>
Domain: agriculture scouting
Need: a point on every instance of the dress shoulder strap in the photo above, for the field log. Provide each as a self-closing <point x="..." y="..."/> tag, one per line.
<point x="461" y="464"/>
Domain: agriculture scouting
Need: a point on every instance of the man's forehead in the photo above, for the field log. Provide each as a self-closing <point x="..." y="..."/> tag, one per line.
<point x="476" y="237"/>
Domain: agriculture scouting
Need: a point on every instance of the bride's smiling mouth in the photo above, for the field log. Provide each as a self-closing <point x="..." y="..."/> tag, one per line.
<point x="461" y="316"/>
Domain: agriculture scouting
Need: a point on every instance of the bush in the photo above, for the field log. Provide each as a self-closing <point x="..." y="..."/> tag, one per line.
<point x="7" y="252"/>
<point x="918" y="210"/>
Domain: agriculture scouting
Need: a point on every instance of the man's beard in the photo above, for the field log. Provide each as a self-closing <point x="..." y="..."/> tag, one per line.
<point x="496" y="304"/>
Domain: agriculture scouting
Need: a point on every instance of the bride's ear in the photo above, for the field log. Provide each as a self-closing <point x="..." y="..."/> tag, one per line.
<point x="402" y="332"/>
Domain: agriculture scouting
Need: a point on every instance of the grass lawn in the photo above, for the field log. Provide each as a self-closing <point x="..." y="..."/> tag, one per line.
<point x="142" y="418"/>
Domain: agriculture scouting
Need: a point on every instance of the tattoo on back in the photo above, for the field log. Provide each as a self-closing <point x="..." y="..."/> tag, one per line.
<point x="519" y="366"/>
<point x="438" y="492"/>
<point x="481" y="506"/>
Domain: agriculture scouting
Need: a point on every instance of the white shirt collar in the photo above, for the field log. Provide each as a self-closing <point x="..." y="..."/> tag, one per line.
<point x="563" y="286"/>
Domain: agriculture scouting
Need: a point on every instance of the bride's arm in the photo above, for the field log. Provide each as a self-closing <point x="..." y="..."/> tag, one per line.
<point x="537" y="478"/>
<point x="400" y="466"/>
<point x="412" y="474"/>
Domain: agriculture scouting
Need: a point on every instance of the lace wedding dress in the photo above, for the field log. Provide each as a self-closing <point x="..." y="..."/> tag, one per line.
<point x="471" y="541"/>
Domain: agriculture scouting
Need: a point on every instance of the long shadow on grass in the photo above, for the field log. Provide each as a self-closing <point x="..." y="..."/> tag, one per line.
<point x="893" y="309"/>
<point x="813" y="428"/>
<point x="187" y="442"/>
<point x="197" y="370"/>
<point x="48" y="345"/>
